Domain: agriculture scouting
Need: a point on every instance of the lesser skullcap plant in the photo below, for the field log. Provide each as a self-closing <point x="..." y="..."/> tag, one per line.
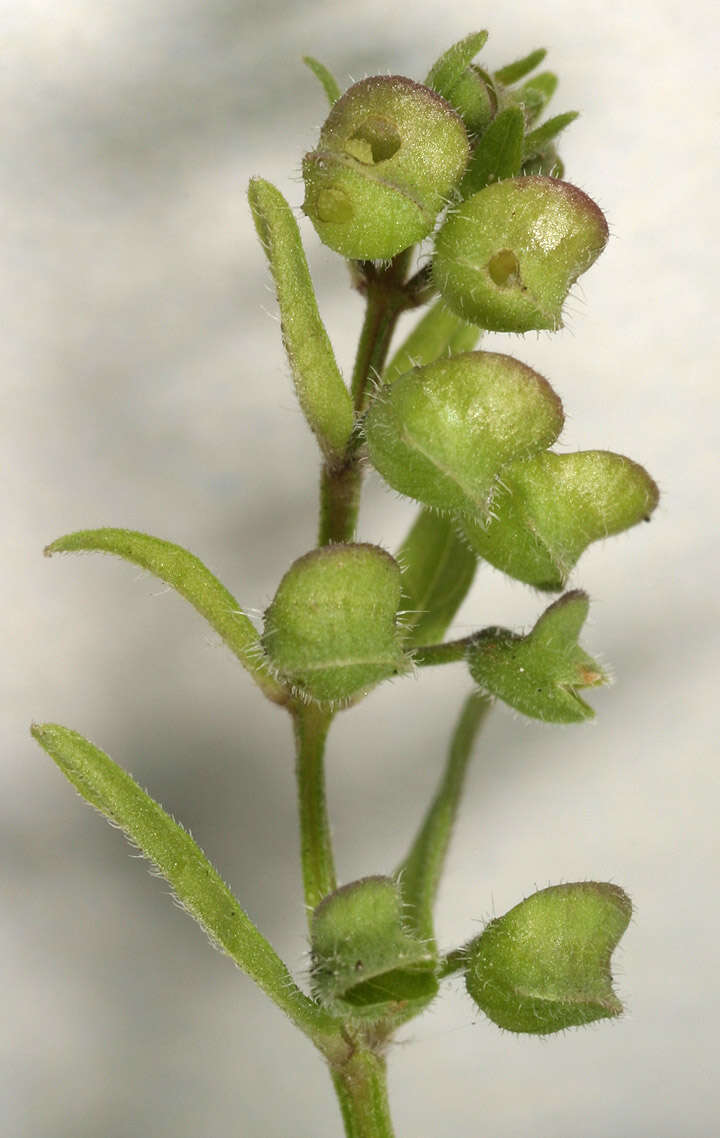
<point x="463" y="162"/>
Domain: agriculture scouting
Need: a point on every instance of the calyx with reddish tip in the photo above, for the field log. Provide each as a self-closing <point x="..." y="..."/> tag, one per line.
<point x="508" y="256"/>
<point x="389" y="156"/>
<point x="540" y="674"/>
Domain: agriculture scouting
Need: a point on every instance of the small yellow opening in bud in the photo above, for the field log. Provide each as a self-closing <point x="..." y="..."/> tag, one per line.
<point x="375" y="140"/>
<point x="333" y="204"/>
<point x="504" y="269"/>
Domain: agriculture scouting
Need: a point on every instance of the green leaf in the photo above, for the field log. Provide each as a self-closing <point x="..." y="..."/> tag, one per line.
<point x="322" y="394"/>
<point x="437" y="572"/>
<point x="326" y="78"/>
<point x="538" y="139"/>
<point x="553" y="506"/>
<point x="192" y="580"/>
<point x="439" y="333"/>
<point x="179" y="859"/>
<point x="419" y="874"/>
<point x="441" y="433"/>
<point x="367" y="961"/>
<point x="498" y="154"/>
<point x="512" y="72"/>
<point x="536" y="94"/>
<point x="540" y="674"/>
<point x="545" y="965"/>
<point x="449" y="68"/>
<point x="331" y="630"/>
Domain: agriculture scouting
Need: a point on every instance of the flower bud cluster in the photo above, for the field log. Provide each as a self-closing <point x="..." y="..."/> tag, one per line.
<point x="464" y="433"/>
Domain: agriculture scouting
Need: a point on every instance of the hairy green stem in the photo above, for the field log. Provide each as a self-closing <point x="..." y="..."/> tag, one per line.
<point x="384" y="305"/>
<point x="419" y="874"/>
<point x="386" y="298"/>
<point x="361" y="1087"/>
<point x="311" y="724"/>
<point x="339" y="501"/>
<point x="448" y="653"/>
<point x="455" y="961"/>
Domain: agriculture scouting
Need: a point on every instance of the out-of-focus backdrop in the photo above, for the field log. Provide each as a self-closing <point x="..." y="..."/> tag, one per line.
<point x="145" y="387"/>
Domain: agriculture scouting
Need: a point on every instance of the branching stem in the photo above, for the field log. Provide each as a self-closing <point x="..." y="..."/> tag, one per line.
<point x="361" y="1087"/>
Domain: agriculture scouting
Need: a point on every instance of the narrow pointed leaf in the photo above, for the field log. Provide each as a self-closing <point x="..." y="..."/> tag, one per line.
<point x="545" y="965"/>
<point x="321" y="392"/>
<point x="192" y="580"/>
<point x="446" y="71"/>
<point x="440" y="332"/>
<point x="196" y="884"/>
<point x="438" y="570"/>
<point x="539" y="138"/>
<point x="512" y="72"/>
<point x="326" y="78"/>
<point x="536" y="94"/>
<point x="419" y="874"/>
<point x="498" y="154"/>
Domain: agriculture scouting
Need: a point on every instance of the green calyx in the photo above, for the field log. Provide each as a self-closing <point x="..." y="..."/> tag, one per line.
<point x="331" y="631"/>
<point x="545" y="965"/>
<point x="441" y="433"/>
<point x="507" y="257"/>
<point x="367" y="963"/>
<point x="540" y="674"/>
<point x="389" y="156"/>
<point x="474" y="97"/>
<point x="552" y="506"/>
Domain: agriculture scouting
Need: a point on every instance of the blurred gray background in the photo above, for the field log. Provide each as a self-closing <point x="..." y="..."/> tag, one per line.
<point x="146" y="387"/>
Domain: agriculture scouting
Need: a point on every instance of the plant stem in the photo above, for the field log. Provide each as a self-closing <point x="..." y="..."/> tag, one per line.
<point x="340" y="485"/>
<point x="447" y="653"/>
<point x="420" y="873"/>
<point x="454" y="962"/>
<point x="361" y="1087"/>
<point x="311" y="724"/>
<point x="339" y="500"/>
<point x="384" y="305"/>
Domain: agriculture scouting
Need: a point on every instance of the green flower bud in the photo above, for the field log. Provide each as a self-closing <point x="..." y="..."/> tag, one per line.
<point x="474" y="97"/>
<point x="366" y="962"/>
<point x="545" y="965"/>
<point x="389" y="156"/>
<point x="539" y="674"/>
<point x="507" y="257"/>
<point x="331" y="630"/>
<point x="548" y="163"/>
<point x="441" y="433"/>
<point x="553" y="506"/>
